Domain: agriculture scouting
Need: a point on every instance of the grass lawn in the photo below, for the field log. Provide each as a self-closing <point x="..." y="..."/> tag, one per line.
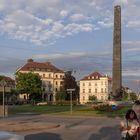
<point x="77" y="110"/>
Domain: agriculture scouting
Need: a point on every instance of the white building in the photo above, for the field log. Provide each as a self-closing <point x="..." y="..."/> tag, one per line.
<point x="95" y="84"/>
<point x="51" y="76"/>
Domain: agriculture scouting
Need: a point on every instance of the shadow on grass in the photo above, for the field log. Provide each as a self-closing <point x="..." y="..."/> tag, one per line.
<point x="107" y="133"/>
<point x="43" y="136"/>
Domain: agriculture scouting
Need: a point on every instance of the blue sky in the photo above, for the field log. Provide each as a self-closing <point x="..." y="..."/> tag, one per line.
<point x="72" y="34"/>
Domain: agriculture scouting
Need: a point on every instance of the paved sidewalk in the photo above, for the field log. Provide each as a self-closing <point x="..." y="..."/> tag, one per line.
<point x="24" y="124"/>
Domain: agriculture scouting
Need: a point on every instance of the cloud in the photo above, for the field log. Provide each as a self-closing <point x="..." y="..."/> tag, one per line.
<point x="63" y="13"/>
<point x="78" y="17"/>
<point x="121" y="2"/>
<point x="37" y="30"/>
<point x="131" y="46"/>
<point x="133" y="24"/>
<point x="44" y="21"/>
<point x="105" y="24"/>
<point x="71" y="55"/>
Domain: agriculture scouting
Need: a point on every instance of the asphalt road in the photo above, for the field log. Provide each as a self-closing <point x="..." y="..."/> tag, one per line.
<point x="78" y="128"/>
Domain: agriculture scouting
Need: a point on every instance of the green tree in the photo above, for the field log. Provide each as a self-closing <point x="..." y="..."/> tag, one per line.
<point x="70" y="83"/>
<point x="92" y="98"/>
<point x="125" y="95"/>
<point x="61" y="94"/>
<point x="133" y="96"/>
<point x="29" y="83"/>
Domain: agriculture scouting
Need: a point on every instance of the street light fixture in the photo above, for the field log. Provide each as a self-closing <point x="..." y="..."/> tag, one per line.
<point x="70" y="91"/>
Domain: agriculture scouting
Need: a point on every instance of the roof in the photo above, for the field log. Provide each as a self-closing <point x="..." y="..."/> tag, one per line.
<point x="38" y="66"/>
<point x="8" y="80"/>
<point x="96" y="76"/>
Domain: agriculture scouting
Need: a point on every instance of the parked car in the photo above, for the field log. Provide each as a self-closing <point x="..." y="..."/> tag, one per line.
<point x="41" y="103"/>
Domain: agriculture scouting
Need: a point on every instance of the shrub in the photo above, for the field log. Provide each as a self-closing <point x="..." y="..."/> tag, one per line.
<point x="102" y="107"/>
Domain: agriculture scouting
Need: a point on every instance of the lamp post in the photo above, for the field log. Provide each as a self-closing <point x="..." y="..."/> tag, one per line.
<point x="70" y="91"/>
<point x="3" y="84"/>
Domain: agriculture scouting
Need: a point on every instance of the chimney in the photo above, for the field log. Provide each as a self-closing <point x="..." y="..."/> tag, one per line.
<point x="30" y="60"/>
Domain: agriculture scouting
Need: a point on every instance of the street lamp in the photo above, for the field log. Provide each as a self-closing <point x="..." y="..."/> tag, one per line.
<point x="3" y="84"/>
<point x="70" y="91"/>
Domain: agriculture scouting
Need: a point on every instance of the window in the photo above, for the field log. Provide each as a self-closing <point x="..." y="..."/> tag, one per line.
<point x="95" y="90"/>
<point x="83" y="98"/>
<point x="37" y="69"/>
<point x="83" y="90"/>
<point x="49" y="75"/>
<point x="102" y="90"/>
<point x="31" y="69"/>
<point x="56" y="89"/>
<point x="61" y="83"/>
<point x="56" y="83"/>
<point x="102" y="98"/>
<point x="89" y="91"/>
<point x="83" y="84"/>
<point x="89" y="84"/>
<point x="24" y="96"/>
<point x="56" y="76"/>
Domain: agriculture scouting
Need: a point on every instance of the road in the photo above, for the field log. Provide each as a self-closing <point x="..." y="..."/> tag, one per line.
<point x="78" y="128"/>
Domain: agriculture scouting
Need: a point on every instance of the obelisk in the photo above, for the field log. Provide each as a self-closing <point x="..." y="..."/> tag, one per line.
<point x="117" y="66"/>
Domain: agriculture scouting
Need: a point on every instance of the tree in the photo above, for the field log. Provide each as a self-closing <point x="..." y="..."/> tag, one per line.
<point x="133" y="96"/>
<point x="70" y="83"/>
<point x="92" y="98"/>
<point x="29" y="83"/>
<point x="125" y="95"/>
<point x="61" y="95"/>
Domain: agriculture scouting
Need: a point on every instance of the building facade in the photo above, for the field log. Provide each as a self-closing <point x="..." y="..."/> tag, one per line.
<point x="6" y="82"/>
<point x="51" y="76"/>
<point x="95" y="84"/>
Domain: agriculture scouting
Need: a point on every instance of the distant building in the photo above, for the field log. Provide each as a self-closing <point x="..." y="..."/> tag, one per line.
<point x="51" y="76"/>
<point x="95" y="84"/>
<point x="7" y="82"/>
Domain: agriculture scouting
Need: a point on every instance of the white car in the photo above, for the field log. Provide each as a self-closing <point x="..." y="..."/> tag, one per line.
<point x="41" y="103"/>
<point x="10" y="136"/>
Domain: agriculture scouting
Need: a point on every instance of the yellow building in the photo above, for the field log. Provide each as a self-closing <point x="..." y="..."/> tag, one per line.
<point x="95" y="84"/>
<point x="51" y="76"/>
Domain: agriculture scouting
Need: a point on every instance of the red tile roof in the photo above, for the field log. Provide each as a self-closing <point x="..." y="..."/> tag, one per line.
<point x="95" y="76"/>
<point x="38" y="66"/>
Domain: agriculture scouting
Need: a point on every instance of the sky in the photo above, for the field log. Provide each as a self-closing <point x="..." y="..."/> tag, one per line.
<point x="72" y="34"/>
